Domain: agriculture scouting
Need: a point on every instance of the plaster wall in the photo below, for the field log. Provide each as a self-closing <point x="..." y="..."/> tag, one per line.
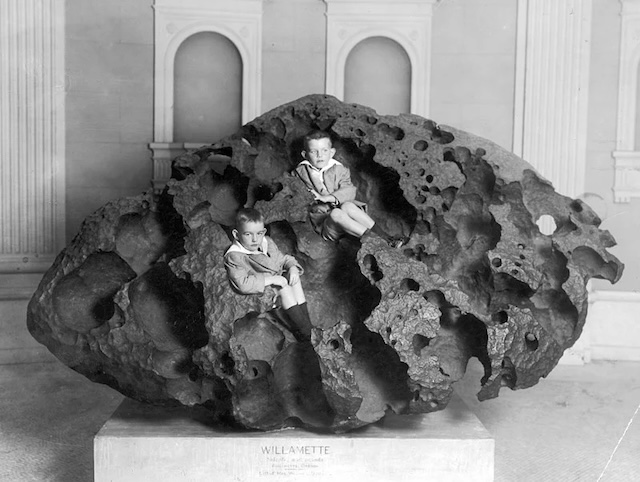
<point x="109" y="102"/>
<point x="473" y="74"/>
<point x="293" y="55"/>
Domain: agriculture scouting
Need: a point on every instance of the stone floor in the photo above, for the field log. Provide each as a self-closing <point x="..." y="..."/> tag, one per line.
<point x="566" y="428"/>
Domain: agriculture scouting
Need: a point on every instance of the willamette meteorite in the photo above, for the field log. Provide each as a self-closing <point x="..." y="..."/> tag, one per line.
<point x="140" y="298"/>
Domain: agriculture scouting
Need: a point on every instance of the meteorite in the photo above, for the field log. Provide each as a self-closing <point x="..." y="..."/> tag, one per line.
<point x="139" y="299"/>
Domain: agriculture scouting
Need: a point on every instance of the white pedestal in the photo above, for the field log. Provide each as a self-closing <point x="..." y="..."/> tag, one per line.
<point x="142" y="443"/>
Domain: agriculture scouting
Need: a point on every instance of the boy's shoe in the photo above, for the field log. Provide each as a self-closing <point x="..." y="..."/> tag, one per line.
<point x="398" y="241"/>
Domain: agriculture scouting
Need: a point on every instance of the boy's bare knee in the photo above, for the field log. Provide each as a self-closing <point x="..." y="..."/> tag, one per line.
<point x="338" y="215"/>
<point x="348" y="207"/>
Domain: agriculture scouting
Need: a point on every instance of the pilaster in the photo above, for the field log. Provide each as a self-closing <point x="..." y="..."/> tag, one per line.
<point x="32" y="134"/>
<point x="553" y="55"/>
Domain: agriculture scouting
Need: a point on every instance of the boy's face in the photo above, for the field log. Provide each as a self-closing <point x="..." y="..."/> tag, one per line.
<point x="319" y="152"/>
<point x="250" y="234"/>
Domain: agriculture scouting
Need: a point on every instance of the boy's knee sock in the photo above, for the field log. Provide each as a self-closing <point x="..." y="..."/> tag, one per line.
<point x="304" y="309"/>
<point x="300" y="317"/>
<point x="380" y="232"/>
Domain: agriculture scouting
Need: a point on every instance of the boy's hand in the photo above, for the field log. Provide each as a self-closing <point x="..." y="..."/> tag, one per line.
<point x="327" y="198"/>
<point x="294" y="275"/>
<point x="279" y="281"/>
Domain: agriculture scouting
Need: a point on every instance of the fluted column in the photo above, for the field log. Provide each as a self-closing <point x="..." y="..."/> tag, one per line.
<point x="550" y="123"/>
<point x="554" y="42"/>
<point x="32" y="133"/>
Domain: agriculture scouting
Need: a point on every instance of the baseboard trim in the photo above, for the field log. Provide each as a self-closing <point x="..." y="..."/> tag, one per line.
<point x="615" y="353"/>
<point x="38" y="354"/>
<point x="19" y="286"/>
<point x="614" y="296"/>
<point x="613" y="325"/>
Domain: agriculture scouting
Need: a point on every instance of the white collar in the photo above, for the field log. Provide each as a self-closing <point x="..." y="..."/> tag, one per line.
<point x="237" y="247"/>
<point x="332" y="162"/>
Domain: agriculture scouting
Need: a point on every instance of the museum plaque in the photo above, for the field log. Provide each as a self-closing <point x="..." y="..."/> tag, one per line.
<point x="140" y="442"/>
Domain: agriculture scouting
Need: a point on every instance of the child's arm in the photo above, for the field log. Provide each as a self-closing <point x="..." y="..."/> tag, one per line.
<point x="290" y="266"/>
<point x="342" y="188"/>
<point x="275" y="280"/>
<point x="327" y="198"/>
<point x="242" y="277"/>
<point x="293" y="275"/>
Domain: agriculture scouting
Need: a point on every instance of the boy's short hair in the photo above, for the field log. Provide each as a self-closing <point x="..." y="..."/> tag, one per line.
<point x="315" y="135"/>
<point x="246" y="215"/>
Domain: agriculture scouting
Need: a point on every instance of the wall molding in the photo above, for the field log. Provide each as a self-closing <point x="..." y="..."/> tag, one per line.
<point x="408" y="23"/>
<point x="626" y="155"/>
<point x="613" y="327"/>
<point x="19" y="286"/>
<point x="626" y="175"/>
<point x="16" y="344"/>
<point x="32" y="134"/>
<point x="611" y="331"/>
<point x="27" y="354"/>
<point x="176" y="20"/>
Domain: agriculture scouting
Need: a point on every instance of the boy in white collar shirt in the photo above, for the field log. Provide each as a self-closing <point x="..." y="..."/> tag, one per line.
<point x="254" y="262"/>
<point x="335" y="210"/>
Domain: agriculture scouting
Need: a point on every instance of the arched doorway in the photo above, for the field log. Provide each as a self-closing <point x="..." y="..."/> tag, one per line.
<point x="207" y="89"/>
<point x="378" y="74"/>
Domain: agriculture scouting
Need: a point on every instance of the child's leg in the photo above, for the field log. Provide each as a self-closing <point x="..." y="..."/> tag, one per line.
<point x="298" y="293"/>
<point x="347" y="223"/>
<point x="364" y="219"/>
<point x="297" y="310"/>
<point x="357" y="214"/>
<point x="292" y="295"/>
<point x="287" y="297"/>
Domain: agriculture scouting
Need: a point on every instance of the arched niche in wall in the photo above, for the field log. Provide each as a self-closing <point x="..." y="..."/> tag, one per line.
<point x="349" y="22"/>
<point x="378" y="74"/>
<point x="239" y="21"/>
<point x="207" y="89"/>
<point x="627" y="153"/>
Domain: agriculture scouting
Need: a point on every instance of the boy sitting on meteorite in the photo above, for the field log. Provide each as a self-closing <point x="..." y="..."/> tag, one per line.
<point x="254" y="262"/>
<point x="335" y="210"/>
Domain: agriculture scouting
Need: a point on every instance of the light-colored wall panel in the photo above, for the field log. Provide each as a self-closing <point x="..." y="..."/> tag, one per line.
<point x="112" y="165"/>
<point x="109" y="103"/>
<point x="472" y="79"/>
<point x="294" y="39"/>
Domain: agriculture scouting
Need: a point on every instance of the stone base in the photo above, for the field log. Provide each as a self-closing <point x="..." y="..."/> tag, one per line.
<point x="140" y="443"/>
